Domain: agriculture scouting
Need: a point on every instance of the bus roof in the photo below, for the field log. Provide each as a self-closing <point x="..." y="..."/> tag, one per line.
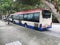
<point x="29" y="11"/>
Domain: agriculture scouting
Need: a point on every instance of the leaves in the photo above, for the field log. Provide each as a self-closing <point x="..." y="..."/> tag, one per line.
<point x="19" y="5"/>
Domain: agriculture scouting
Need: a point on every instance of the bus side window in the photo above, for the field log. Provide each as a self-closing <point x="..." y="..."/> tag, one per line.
<point x="16" y="17"/>
<point x="21" y="16"/>
<point x="30" y="17"/>
<point x="11" y="16"/>
<point x="36" y="17"/>
<point x="25" y="17"/>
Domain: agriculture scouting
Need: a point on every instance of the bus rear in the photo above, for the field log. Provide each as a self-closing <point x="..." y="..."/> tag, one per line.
<point x="46" y="19"/>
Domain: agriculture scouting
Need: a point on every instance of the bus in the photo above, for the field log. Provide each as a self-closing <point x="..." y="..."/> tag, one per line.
<point x="39" y="19"/>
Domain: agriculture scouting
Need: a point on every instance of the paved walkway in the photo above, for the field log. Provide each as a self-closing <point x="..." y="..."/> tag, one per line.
<point x="11" y="33"/>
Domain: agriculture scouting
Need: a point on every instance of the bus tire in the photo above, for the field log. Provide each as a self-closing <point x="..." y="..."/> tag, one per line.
<point x="13" y="21"/>
<point x="25" y="25"/>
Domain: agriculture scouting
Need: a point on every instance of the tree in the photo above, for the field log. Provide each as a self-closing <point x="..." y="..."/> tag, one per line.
<point x="6" y="6"/>
<point x="29" y="4"/>
<point x="9" y="6"/>
<point x="52" y="9"/>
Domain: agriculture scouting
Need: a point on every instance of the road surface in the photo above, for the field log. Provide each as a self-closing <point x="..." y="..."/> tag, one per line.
<point x="12" y="33"/>
<point x="54" y="31"/>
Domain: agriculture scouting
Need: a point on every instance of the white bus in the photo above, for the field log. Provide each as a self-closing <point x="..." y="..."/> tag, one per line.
<point x="39" y="19"/>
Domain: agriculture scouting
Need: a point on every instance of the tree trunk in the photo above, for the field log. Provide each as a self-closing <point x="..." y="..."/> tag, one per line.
<point x="52" y="9"/>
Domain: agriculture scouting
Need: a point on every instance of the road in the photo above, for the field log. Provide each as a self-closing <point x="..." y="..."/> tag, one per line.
<point x="54" y="31"/>
<point x="11" y="33"/>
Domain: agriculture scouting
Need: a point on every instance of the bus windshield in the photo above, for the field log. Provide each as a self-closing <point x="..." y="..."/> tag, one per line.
<point x="46" y="14"/>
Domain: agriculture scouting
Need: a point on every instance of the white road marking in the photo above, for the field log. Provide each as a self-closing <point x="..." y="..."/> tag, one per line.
<point x="14" y="43"/>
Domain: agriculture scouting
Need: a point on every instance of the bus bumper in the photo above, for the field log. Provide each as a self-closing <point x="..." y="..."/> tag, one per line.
<point x="43" y="29"/>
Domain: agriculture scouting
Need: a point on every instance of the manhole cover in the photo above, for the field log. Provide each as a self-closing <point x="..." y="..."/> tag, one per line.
<point x="14" y="43"/>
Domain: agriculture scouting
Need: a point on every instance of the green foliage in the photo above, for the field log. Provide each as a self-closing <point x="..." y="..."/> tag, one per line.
<point x="57" y="4"/>
<point x="5" y="6"/>
<point x="9" y="6"/>
<point x="30" y="2"/>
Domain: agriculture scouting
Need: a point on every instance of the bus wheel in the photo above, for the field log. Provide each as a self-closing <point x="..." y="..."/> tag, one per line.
<point x="13" y="21"/>
<point x="25" y="25"/>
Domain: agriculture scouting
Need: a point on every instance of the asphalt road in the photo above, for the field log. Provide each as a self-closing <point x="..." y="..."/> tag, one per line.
<point x="11" y="33"/>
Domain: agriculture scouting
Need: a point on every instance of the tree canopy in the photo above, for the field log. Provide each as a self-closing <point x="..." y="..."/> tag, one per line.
<point x="11" y="6"/>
